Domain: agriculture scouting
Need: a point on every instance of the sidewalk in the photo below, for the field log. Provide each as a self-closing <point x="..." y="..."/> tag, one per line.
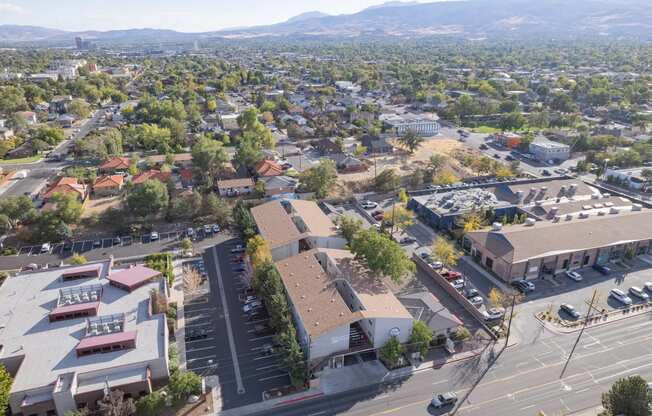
<point x="468" y="260"/>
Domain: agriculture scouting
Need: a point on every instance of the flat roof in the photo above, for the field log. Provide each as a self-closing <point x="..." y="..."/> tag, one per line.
<point x="317" y="222"/>
<point x="101" y="340"/>
<point x="522" y="242"/>
<point x="274" y="224"/>
<point x="133" y="276"/>
<point x="48" y="348"/>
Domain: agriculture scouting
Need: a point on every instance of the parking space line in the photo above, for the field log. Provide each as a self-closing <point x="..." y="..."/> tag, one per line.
<point x="200" y="340"/>
<point x="203" y="367"/>
<point x="259" y="338"/>
<point x="188" y="350"/>
<point x="202" y="358"/>
<point x="267" y="356"/>
<point x="273" y="377"/>
<point x="256" y="322"/>
<point x="202" y="324"/>
<point x="267" y="367"/>
<point x="199" y="310"/>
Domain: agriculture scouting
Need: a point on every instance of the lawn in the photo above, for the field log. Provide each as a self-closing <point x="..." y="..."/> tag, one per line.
<point x="30" y="159"/>
<point x="485" y="130"/>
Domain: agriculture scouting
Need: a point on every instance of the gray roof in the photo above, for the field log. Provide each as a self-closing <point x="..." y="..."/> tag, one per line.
<point x="49" y="347"/>
<point x="522" y="242"/>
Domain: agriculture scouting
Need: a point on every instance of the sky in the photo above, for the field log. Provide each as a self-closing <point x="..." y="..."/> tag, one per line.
<point x="181" y="15"/>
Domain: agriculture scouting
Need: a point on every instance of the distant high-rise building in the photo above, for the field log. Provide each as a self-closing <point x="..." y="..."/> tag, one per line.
<point x="83" y="44"/>
<point x="79" y="42"/>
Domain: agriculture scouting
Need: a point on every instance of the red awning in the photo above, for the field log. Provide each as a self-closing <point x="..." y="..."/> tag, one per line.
<point x="134" y="276"/>
<point x="105" y="340"/>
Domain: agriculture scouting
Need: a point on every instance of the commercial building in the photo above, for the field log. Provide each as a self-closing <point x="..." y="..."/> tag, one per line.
<point x="293" y="225"/>
<point x="402" y="123"/>
<point x="546" y="151"/>
<point x="339" y="306"/>
<point x="629" y="178"/>
<point x="70" y="332"/>
<point x="539" y="248"/>
<point x="441" y="209"/>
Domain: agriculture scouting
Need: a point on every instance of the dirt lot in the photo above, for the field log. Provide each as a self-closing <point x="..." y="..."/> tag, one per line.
<point x="99" y="205"/>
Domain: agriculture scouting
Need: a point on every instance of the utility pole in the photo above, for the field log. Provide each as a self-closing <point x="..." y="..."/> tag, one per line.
<point x="577" y="341"/>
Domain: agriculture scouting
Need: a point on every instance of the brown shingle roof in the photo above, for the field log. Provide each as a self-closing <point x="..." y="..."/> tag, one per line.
<point x="268" y="168"/>
<point x="318" y="223"/>
<point x="115" y="163"/>
<point x="521" y="242"/>
<point x="274" y="224"/>
<point x="151" y="174"/>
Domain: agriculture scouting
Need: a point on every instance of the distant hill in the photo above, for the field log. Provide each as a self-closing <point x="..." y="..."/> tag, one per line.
<point x="471" y="19"/>
<point x="393" y="4"/>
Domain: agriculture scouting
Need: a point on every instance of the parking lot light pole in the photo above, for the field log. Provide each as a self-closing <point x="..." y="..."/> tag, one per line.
<point x="577" y="341"/>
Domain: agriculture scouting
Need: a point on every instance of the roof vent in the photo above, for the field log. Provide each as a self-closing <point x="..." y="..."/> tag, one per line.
<point x="538" y="203"/>
<point x="341" y="313"/>
<point x="614" y="210"/>
<point x="296" y="284"/>
<point x="569" y="217"/>
<point x="605" y="196"/>
<point x="554" y="210"/>
<point x="557" y="218"/>
<point x="332" y="300"/>
<point x="584" y="215"/>
<point x="595" y="196"/>
<point x="309" y="309"/>
<point x="602" y="213"/>
<point x="303" y="296"/>
<point x="496" y="226"/>
<point x="530" y="222"/>
<point x="533" y="190"/>
<point x="544" y="189"/>
<point x="637" y="207"/>
<point x="317" y="323"/>
<point x="586" y="207"/>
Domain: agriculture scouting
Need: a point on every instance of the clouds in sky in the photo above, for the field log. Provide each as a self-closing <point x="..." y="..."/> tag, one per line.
<point x="11" y="8"/>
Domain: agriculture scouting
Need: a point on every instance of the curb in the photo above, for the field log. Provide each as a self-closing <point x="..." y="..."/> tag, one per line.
<point x="579" y="328"/>
<point x="298" y="399"/>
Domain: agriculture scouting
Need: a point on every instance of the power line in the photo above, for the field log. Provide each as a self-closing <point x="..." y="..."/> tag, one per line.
<point x="577" y="341"/>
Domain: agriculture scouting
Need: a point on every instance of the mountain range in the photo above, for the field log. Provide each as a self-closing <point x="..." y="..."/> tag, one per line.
<point x="470" y="19"/>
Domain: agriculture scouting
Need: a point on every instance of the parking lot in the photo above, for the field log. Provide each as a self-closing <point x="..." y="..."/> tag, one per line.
<point x="238" y="353"/>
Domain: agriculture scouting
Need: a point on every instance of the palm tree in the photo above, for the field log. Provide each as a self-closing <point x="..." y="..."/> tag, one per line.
<point x="411" y="141"/>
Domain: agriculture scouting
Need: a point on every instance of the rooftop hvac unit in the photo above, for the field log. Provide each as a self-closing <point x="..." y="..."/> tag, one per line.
<point x="569" y="217"/>
<point x="605" y="196"/>
<point x="562" y="189"/>
<point x="538" y="203"/>
<point x="595" y="196"/>
<point x="637" y="207"/>
<point x="557" y="218"/>
<point x="530" y="222"/>
<point x="586" y="207"/>
<point x="614" y="210"/>
<point x="608" y="204"/>
<point x="584" y="215"/>
<point x="519" y="195"/>
<point x="554" y="210"/>
<point x="533" y="190"/>
<point x="544" y="189"/>
<point x="573" y="186"/>
<point x="602" y="213"/>
<point x="496" y="226"/>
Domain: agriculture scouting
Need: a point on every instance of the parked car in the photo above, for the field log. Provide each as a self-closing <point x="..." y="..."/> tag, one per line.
<point x="249" y="307"/>
<point x="97" y="243"/>
<point x="250" y="298"/>
<point x="378" y="215"/>
<point x="153" y="236"/>
<point x="523" y="286"/>
<point x="602" y="269"/>
<point x="574" y="275"/>
<point x="639" y="293"/>
<point x="569" y="309"/>
<point x="484" y="146"/>
<point x="407" y="240"/>
<point x="451" y="275"/>
<point x="648" y="286"/>
<point x="207" y="229"/>
<point x="458" y="284"/>
<point x="620" y="296"/>
<point x="190" y="232"/>
<point x="196" y="334"/>
<point x="263" y="329"/>
<point x="496" y="156"/>
<point x="368" y="204"/>
<point x="437" y="265"/>
<point x="471" y="292"/>
<point x="444" y="399"/>
<point x="510" y="158"/>
<point x="477" y="300"/>
<point x="116" y="241"/>
<point x="216" y="228"/>
<point x="239" y="269"/>
<point x="494" y="314"/>
<point x="257" y="315"/>
<point x="545" y="172"/>
<point x="238" y="249"/>
<point x="46" y="247"/>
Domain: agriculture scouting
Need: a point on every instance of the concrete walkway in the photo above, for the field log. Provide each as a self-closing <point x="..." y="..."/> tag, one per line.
<point x="468" y="260"/>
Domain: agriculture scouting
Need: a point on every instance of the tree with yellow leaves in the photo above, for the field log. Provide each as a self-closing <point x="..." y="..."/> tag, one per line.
<point x="445" y="252"/>
<point x="258" y="251"/>
<point x="400" y="216"/>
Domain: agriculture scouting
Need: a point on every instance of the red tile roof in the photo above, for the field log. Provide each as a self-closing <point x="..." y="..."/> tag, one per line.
<point x="115" y="163"/>
<point x="109" y="339"/>
<point x="151" y="174"/>
<point x="268" y="168"/>
<point x="66" y="185"/>
<point x="109" y="181"/>
<point x="133" y="277"/>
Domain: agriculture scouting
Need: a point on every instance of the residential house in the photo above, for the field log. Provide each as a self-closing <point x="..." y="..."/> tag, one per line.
<point x="108" y="185"/>
<point x="279" y="185"/>
<point x="377" y="145"/>
<point x="268" y="167"/>
<point x="66" y="121"/>
<point x="152" y="174"/>
<point x="235" y="187"/>
<point x="348" y="163"/>
<point x="113" y="165"/>
<point x="59" y="104"/>
<point x="328" y="147"/>
<point x="28" y="116"/>
<point x="66" y="185"/>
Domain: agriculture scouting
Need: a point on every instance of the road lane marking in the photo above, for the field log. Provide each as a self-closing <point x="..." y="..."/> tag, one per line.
<point x="440" y="382"/>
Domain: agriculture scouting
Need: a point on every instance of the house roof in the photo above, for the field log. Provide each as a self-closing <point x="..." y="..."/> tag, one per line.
<point x="151" y="174"/>
<point x="521" y="242"/>
<point x="425" y="307"/>
<point x="317" y="223"/>
<point x="274" y="224"/>
<point x="65" y="185"/>
<point x="235" y="183"/>
<point x="109" y="181"/>
<point x="115" y="163"/>
<point x="268" y="168"/>
<point x="314" y="295"/>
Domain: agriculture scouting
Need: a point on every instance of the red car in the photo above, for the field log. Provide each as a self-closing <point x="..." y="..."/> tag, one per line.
<point x="451" y="275"/>
<point x="378" y="215"/>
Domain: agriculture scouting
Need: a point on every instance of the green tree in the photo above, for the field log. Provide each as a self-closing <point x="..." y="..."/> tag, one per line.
<point x="185" y="244"/>
<point x="182" y="384"/>
<point x="387" y="181"/>
<point x="410" y="141"/>
<point x="5" y="388"/>
<point x="320" y="179"/>
<point x="208" y="158"/>
<point x="147" y="199"/>
<point x="349" y="227"/>
<point x="78" y="259"/>
<point x="420" y="337"/>
<point x="248" y="151"/>
<point x="68" y="207"/>
<point x="512" y="121"/>
<point x="399" y="216"/>
<point x="217" y="209"/>
<point x="244" y="220"/>
<point x="391" y="352"/>
<point x="445" y="252"/>
<point x="79" y="108"/>
<point x="17" y="209"/>
<point x="381" y="254"/>
<point x="258" y="251"/>
<point x="150" y="405"/>
<point x="628" y="396"/>
<point x="50" y="135"/>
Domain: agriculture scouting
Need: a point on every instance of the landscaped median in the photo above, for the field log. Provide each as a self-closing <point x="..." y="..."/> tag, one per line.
<point x="565" y="326"/>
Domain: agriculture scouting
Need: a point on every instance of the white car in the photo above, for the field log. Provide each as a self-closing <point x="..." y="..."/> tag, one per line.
<point x="368" y="204"/>
<point x="494" y="314"/>
<point x="574" y="275"/>
<point x="238" y="249"/>
<point x="639" y="293"/>
<point x="153" y="236"/>
<point x="45" y="248"/>
<point x="476" y="300"/>
<point x="458" y="284"/>
<point x="620" y="296"/>
<point x="249" y="307"/>
<point x="648" y="286"/>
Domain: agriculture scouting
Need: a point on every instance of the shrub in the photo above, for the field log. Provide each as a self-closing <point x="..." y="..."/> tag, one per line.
<point x="150" y="405"/>
<point x="183" y="384"/>
<point x="391" y="352"/>
<point x="161" y="262"/>
<point x="460" y="334"/>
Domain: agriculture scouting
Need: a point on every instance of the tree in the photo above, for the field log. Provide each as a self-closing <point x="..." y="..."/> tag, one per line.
<point x="258" y="251"/>
<point x="248" y="122"/>
<point x="420" y="337"/>
<point x="186" y="206"/>
<point x="248" y="151"/>
<point x="399" y="216"/>
<point x="403" y="196"/>
<point x="49" y="227"/>
<point x="244" y="221"/>
<point x="512" y="121"/>
<point x="192" y="280"/>
<point x="185" y="244"/>
<point x="17" y="209"/>
<point x="471" y="221"/>
<point x="68" y="207"/>
<point x="628" y="396"/>
<point x="182" y="384"/>
<point x="114" y="404"/>
<point x="320" y="179"/>
<point x="410" y="141"/>
<point x="216" y="208"/>
<point x="5" y="388"/>
<point x="460" y="334"/>
<point x="78" y="259"/>
<point x="349" y="227"/>
<point x="381" y="254"/>
<point x="78" y="412"/>
<point x="12" y="99"/>
<point x="391" y="352"/>
<point x="150" y="405"/>
<point x="445" y="252"/>
<point x="50" y="135"/>
<point x="387" y="180"/>
<point x="208" y="158"/>
<point x="79" y="108"/>
<point x="444" y="177"/>
<point x="150" y="198"/>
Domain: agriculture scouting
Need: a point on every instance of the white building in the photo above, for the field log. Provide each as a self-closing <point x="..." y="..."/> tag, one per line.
<point x="230" y="121"/>
<point x="338" y="306"/>
<point x="632" y="177"/>
<point x="68" y="332"/>
<point x="545" y="151"/>
<point x="401" y="124"/>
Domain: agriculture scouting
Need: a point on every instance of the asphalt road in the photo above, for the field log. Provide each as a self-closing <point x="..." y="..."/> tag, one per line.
<point x="523" y="380"/>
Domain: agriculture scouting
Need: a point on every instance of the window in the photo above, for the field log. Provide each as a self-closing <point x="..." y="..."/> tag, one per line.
<point x="489" y="262"/>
